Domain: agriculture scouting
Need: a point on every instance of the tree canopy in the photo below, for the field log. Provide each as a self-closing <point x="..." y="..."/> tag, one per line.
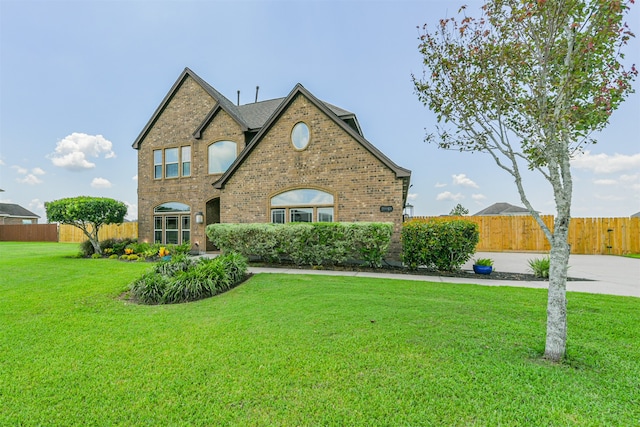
<point x="528" y="82"/>
<point x="87" y="213"/>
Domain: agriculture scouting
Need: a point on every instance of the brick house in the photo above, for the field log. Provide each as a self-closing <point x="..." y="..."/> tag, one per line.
<point x="203" y="160"/>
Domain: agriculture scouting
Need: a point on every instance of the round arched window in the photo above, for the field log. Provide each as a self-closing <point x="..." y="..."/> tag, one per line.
<point x="300" y="136"/>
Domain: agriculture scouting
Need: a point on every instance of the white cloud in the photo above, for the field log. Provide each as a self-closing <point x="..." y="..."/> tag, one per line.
<point x="463" y="180"/>
<point x="609" y="197"/>
<point x="440" y="185"/>
<point x="100" y="183"/>
<point x="447" y="195"/>
<point x="135" y="177"/>
<point x="630" y="179"/>
<point x="412" y="196"/>
<point x="71" y="153"/>
<point x="478" y="197"/>
<point x="2" y="163"/>
<point x="132" y="211"/>
<point x="30" y="179"/>
<point x="37" y="206"/>
<point x="37" y="171"/>
<point x="20" y="170"/>
<point x="605" y="181"/>
<point x="604" y="163"/>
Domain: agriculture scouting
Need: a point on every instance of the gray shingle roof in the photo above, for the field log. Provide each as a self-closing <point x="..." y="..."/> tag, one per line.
<point x="13" y="210"/>
<point x="501" y="209"/>
<point x="249" y="116"/>
<point x="257" y="114"/>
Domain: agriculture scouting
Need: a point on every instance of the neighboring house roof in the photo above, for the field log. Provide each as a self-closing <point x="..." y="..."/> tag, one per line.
<point x="636" y="215"/>
<point x="326" y="109"/>
<point x="15" y="211"/>
<point x="502" y="209"/>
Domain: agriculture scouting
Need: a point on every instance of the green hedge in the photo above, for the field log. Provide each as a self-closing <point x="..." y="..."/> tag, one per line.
<point x="441" y="245"/>
<point x="184" y="279"/>
<point x="321" y="243"/>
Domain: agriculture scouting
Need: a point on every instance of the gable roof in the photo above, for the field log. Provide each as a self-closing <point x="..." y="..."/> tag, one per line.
<point x="221" y="103"/>
<point x="250" y="117"/>
<point x="13" y="210"/>
<point x="326" y="109"/>
<point x="502" y="209"/>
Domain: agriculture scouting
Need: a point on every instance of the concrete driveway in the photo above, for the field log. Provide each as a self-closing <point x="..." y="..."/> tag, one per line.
<point x="606" y="274"/>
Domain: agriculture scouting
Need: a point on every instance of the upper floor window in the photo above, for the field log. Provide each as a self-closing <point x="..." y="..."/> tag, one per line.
<point x="221" y="156"/>
<point x="302" y="205"/>
<point x="300" y="136"/>
<point x="186" y="160"/>
<point x="172" y="162"/>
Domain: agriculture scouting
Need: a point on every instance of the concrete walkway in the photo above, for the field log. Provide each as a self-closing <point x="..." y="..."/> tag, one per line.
<point x="606" y="274"/>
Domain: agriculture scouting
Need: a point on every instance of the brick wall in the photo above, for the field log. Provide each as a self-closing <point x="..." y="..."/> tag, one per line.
<point x="333" y="162"/>
<point x="174" y="128"/>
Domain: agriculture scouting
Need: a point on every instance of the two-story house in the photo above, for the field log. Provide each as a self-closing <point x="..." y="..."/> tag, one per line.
<point x="203" y="159"/>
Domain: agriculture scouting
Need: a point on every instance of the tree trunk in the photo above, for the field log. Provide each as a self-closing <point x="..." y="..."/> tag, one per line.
<point x="556" y="343"/>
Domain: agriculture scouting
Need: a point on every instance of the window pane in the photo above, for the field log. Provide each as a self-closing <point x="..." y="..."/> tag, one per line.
<point x="171" y="163"/>
<point x="186" y="161"/>
<point x="158" y="236"/>
<point x="277" y="216"/>
<point x="301" y="215"/>
<point x="157" y="164"/>
<point x="157" y="220"/>
<point x="172" y="237"/>
<point x="171" y="223"/>
<point x="186" y="222"/>
<point x="171" y="155"/>
<point x="171" y="170"/>
<point x="221" y="155"/>
<point x="300" y="136"/>
<point x="302" y="196"/>
<point x="325" y="214"/>
<point x="186" y="236"/>
<point x="172" y="207"/>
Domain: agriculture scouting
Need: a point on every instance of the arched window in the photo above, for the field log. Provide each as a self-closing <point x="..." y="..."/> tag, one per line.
<point x="172" y="223"/>
<point x="302" y="205"/>
<point x="221" y="155"/>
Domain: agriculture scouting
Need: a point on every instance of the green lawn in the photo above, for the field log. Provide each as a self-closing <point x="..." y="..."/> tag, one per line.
<point x="301" y="350"/>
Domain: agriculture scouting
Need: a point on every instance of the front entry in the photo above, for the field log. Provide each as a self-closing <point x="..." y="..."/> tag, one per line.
<point x="213" y="217"/>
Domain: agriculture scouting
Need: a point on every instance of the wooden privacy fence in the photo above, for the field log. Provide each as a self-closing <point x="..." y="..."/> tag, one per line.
<point x="521" y="233"/>
<point x="28" y="233"/>
<point x="71" y="234"/>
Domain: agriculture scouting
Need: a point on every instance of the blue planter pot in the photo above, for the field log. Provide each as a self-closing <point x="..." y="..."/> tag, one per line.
<point x="166" y="258"/>
<point x="482" y="269"/>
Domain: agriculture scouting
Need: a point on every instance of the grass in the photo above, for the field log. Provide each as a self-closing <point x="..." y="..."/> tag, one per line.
<point x="633" y="256"/>
<point x="301" y="350"/>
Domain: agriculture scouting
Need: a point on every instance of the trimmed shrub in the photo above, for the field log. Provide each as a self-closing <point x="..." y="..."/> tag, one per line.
<point x="441" y="245"/>
<point x="371" y="241"/>
<point x="305" y="243"/>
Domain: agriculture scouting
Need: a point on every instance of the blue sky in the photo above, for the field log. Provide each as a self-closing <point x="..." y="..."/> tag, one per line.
<point x="80" y="79"/>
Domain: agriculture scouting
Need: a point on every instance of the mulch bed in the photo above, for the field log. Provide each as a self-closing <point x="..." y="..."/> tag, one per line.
<point x="465" y="274"/>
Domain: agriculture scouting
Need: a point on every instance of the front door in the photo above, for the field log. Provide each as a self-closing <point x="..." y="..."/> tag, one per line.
<point x="212" y="217"/>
